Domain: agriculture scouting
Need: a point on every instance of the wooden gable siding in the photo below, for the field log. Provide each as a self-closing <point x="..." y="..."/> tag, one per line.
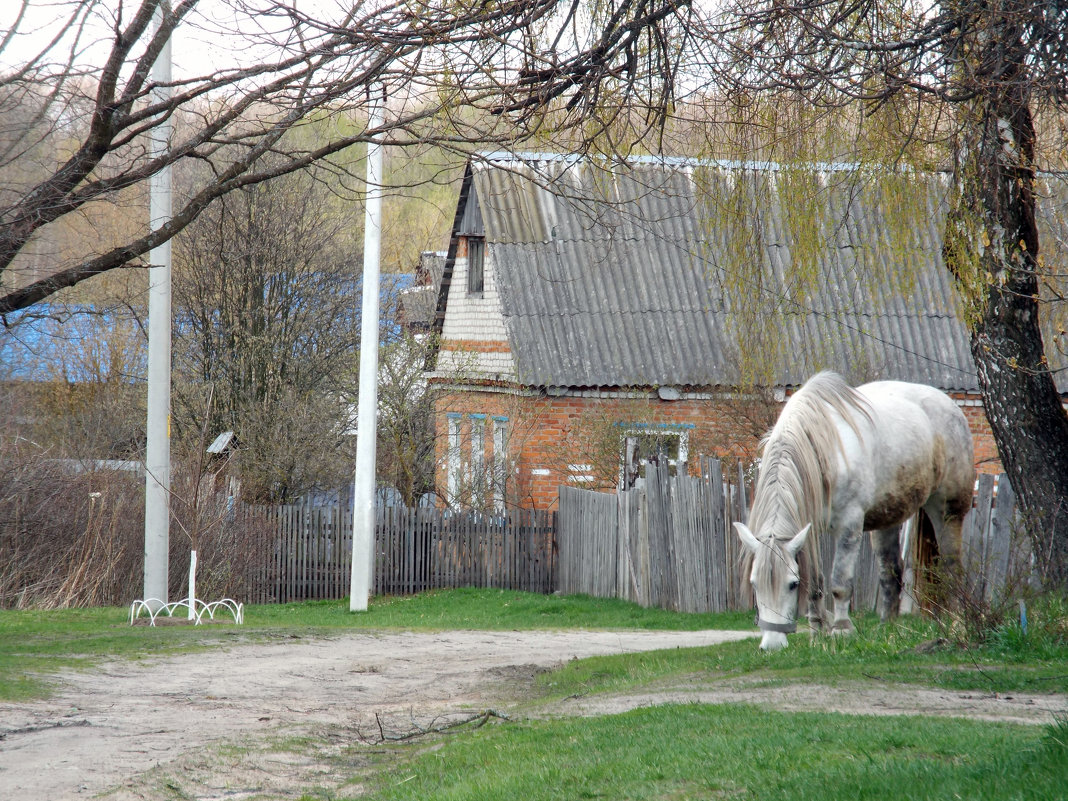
<point x="474" y="340"/>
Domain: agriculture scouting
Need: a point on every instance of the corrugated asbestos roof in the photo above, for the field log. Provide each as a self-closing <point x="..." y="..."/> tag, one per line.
<point x="685" y="273"/>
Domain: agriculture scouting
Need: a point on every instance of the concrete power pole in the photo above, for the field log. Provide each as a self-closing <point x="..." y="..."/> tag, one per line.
<point x="363" y="498"/>
<point x="158" y="455"/>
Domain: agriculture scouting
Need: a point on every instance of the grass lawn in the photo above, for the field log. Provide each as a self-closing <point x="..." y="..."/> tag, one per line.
<point x="37" y="643"/>
<point x="738" y="752"/>
<point x="487" y="609"/>
<point x="905" y="652"/>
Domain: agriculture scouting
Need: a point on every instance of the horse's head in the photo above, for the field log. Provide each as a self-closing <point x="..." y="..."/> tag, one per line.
<point x="775" y="577"/>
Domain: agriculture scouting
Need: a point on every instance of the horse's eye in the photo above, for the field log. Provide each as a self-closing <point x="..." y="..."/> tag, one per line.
<point x="793" y="585"/>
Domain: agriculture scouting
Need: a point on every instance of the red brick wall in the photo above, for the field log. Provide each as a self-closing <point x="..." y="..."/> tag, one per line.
<point x="549" y="436"/>
<point x="986" y="452"/>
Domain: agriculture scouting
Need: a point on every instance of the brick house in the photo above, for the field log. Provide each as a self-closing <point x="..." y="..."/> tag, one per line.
<point x="593" y="315"/>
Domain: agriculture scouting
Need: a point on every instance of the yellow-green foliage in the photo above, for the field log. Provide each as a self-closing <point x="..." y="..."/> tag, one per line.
<point x="809" y="199"/>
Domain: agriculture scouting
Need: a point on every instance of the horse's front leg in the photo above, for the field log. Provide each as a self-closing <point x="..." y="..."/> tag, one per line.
<point x="846" y="548"/>
<point x="817" y="613"/>
<point x="887" y="542"/>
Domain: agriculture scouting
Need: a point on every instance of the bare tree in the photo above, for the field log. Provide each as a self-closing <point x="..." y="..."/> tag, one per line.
<point x="457" y="74"/>
<point x="406" y="418"/>
<point x="266" y="324"/>
<point x="964" y="79"/>
<point x="71" y="375"/>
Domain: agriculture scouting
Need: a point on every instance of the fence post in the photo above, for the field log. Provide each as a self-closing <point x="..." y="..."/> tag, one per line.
<point x="721" y="572"/>
<point x="1005" y="544"/>
<point x="975" y="534"/>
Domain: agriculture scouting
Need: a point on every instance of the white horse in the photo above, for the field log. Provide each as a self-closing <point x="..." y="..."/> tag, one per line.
<point x="841" y="461"/>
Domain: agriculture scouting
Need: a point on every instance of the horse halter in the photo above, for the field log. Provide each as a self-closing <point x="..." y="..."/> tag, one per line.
<point x="782" y="628"/>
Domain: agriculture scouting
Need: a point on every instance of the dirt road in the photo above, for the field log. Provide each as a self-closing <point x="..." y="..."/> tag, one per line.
<point x="146" y="729"/>
<point x="109" y="725"/>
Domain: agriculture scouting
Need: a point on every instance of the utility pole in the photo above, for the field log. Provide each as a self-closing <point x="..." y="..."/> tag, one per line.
<point x="158" y="453"/>
<point x="363" y="497"/>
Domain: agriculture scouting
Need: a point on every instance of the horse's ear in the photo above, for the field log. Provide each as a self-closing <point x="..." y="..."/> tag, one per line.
<point x="795" y="545"/>
<point x="747" y="537"/>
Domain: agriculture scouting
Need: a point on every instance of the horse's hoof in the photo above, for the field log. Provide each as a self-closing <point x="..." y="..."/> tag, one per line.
<point x="842" y="627"/>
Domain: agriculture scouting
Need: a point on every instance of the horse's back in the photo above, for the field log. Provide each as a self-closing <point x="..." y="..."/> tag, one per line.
<point x="931" y="399"/>
<point x="923" y="405"/>
<point x="922" y="438"/>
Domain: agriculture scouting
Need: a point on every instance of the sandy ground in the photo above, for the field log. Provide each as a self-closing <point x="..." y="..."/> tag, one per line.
<point x="155" y="729"/>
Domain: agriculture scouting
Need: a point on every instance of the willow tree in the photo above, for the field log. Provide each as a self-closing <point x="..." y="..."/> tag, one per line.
<point x="969" y="77"/>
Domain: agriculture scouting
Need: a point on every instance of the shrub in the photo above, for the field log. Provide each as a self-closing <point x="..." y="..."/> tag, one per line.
<point x="71" y="536"/>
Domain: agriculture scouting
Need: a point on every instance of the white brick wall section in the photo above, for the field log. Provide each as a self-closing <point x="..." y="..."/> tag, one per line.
<point x="494" y="365"/>
<point x="470" y="317"/>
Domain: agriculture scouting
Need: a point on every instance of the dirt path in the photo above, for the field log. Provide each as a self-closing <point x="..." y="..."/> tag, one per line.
<point x="134" y="730"/>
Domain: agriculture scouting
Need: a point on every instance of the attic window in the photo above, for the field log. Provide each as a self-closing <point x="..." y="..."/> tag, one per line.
<point x="476" y="254"/>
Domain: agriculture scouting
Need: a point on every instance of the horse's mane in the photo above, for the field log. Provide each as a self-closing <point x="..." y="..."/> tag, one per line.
<point x="797" y="469"/>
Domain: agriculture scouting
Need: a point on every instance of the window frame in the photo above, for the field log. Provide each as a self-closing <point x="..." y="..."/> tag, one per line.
<point x="500" y="461"/>
<point x="631" y="431"/>
<point x="476" y="465"/>
<point x="476" y="265"/>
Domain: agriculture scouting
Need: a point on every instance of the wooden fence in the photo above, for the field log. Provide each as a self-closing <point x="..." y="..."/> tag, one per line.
<point x="670" y="544"/>
<point x="995" y="549"/>
<point x="663" y="544"/>
<point x="310" y="555"/>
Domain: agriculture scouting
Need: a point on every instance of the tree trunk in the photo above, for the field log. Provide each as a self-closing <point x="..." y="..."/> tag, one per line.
<point x="991" y="246"/>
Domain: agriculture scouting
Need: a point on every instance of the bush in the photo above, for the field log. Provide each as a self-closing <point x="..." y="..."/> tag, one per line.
<point x="74" y="537"/>
<point x="67" y="538"/>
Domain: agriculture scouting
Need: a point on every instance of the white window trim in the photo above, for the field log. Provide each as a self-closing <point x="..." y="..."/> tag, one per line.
<point x="681" y="431"/>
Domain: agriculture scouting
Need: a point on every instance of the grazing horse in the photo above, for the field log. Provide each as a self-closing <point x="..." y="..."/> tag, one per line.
<point x="841" y="461"/>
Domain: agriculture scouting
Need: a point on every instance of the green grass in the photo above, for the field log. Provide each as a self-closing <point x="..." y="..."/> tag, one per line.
<point x="735" y="751"/>
<point x="894" y="654"/>
<point x="499" y="610"/>
<point x="35" y="644"/>
<point x="670" y="752"/>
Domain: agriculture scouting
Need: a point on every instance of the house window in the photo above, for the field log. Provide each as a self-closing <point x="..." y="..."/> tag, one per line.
<point x="500" y="461"/>
<point x="652" y="445"/>
<point x="478" y="460"/>
<point x="453" y="476"/>
<point x="476" y="469"/>
<point x="476" y="257"/>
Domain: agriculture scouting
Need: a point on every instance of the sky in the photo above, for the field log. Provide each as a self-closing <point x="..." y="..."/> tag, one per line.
<point x="216" y="35"/>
